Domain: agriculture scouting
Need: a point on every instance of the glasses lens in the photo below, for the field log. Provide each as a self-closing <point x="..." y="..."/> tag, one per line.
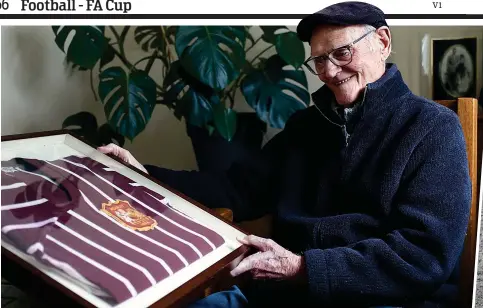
<point x="315" y="65"/>
<point x="339" y="57"/>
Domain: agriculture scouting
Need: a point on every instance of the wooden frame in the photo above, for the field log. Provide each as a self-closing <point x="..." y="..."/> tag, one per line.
<point x="186" y="287"/>
<point x="467" y="110"/>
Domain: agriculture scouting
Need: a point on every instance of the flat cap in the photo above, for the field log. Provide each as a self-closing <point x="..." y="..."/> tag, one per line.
<point x="343" y="14"/>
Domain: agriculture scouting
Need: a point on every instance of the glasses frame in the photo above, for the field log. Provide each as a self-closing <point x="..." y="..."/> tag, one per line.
<point x="328" y="55"/>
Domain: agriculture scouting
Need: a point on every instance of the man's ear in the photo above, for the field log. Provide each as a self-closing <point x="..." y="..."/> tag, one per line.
<point x="385" y="41"/>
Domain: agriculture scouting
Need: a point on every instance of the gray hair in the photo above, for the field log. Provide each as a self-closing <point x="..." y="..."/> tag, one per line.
<point x="368" y="28"/>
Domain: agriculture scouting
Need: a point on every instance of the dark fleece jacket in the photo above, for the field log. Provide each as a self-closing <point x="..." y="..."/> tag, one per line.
<point x="380" y="213"/>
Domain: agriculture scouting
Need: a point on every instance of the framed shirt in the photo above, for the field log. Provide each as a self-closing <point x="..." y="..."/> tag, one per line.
<point x="107" y="232"/>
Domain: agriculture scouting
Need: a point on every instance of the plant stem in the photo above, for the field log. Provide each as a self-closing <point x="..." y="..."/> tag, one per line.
<point x="123" y="38"/>
<point x="116" y="35"/>
<point x="260" y="53"/>
<point x="253" y="45"/>
<point x="168" y="52"/>
<point x="129" y="65"/>
<point x="231" y="90"/>
<point x="233" y="87"/>
<point x="151" y="61"/>
<point x="232" y="100"/>
<point x="237" y="86"/>
<point x="120" y="38"/>
<point x="92" y="85"/>
<point x="122" y="58"/>
<point x="141" y="60"/>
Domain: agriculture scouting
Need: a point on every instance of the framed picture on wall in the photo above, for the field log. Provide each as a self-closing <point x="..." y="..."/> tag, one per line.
<point x="103" y="232"/>
<point x="454" y="71"/>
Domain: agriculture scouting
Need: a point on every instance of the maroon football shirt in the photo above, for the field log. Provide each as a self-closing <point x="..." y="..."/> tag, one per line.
<point x="98" y="226"/>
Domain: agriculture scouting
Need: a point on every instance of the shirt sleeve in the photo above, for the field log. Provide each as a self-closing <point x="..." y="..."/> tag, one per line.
<point x="31" y="202"/>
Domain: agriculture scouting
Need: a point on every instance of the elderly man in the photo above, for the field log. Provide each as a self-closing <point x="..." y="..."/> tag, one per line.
<point x="369" y="187"/>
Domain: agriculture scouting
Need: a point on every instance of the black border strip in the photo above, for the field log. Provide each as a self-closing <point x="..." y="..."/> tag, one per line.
<point x="220" y="16"/>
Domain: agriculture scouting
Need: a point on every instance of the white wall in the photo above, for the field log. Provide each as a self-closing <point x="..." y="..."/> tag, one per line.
<point x="38" y="93"/>
<point x="408" y="54"/>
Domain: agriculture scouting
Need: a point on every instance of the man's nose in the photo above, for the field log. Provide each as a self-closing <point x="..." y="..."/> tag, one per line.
<point x="330" y="69"/>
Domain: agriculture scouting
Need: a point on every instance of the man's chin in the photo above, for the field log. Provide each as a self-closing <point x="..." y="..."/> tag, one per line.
<point x="345" y="99"/>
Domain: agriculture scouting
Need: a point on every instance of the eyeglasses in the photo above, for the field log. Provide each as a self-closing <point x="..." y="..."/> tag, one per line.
<point x="340" y="56"/>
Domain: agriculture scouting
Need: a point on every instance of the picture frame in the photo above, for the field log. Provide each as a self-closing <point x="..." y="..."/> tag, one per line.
<point x="177" y="290"/>
<point x="454" y="68"/>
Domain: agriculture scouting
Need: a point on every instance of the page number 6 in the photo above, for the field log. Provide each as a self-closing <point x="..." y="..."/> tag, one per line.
<point x="4" y="5"/>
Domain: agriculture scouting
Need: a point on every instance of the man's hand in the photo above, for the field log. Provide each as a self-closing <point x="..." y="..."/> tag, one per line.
<point x="123" y="154"/>
<point x="271" y="262"/>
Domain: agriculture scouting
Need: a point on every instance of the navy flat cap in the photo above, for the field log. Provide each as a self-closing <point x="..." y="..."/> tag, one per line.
<point x="343" y="14"/>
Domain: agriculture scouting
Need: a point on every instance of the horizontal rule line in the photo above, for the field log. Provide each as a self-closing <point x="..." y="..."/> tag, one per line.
<point x="220" y="16"/>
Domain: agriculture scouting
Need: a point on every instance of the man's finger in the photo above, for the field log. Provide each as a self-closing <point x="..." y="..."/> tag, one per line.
<point x="111" y="148"/>
<point x="248" y="263"/>
<point x="105" y="149"/>
<point x="261" y="243"/>
<point x="244" y="266"/>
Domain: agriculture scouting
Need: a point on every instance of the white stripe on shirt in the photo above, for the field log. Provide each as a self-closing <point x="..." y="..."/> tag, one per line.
<point x="23" y="204"/>
<point x="165" y="201"/>
<point x="117" y="239"/>
<point x="14" y="185"/>
<point x="108" y="252"/>
<point x="66" y="268"/>
<point x="69" y="270"/>
<point x="180" y="256"/>
<point x="96" y="264"/>
<point x="39" y="175"/>
<point x="31" y="225"/>
<point x="110" y="199"/>
<point x="145" y="206"/>
<point x="84" y="180"/>
<point x="181" y="240"/>
<point x="177" y="253"/>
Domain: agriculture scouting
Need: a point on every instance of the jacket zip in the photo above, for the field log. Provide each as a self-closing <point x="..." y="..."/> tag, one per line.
<point x="346" y="135"/>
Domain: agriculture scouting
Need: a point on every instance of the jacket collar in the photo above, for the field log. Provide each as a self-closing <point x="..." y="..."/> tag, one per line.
<point x="377" y="95"/>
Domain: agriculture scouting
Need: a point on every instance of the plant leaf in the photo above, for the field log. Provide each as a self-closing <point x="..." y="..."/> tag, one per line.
<point x="225" y="121"/>
<point x="128" y="99"/>
<point x="107" y="57"/>
<point x="202" y="52"/>
<point x="192" y="99"/>
<point x="269" y="35"/>
<point x="210" y="129"/>
<point x="249" y="35"/>
<point x="82" y="122"/>
<point x="171" y="33"/>
<point x="87" y="46"/>
<point x="150" y="37"/>
<point x="290" y="48"/>
<point x="265" y="91"/>
<point x="108" y="135"/>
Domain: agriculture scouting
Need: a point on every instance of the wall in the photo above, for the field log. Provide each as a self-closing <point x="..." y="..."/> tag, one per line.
<point x="407" y="47"/>
<point x="38" y="93"/>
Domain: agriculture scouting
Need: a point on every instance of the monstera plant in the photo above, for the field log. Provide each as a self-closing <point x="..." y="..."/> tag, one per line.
<point x="203" y="68"/>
